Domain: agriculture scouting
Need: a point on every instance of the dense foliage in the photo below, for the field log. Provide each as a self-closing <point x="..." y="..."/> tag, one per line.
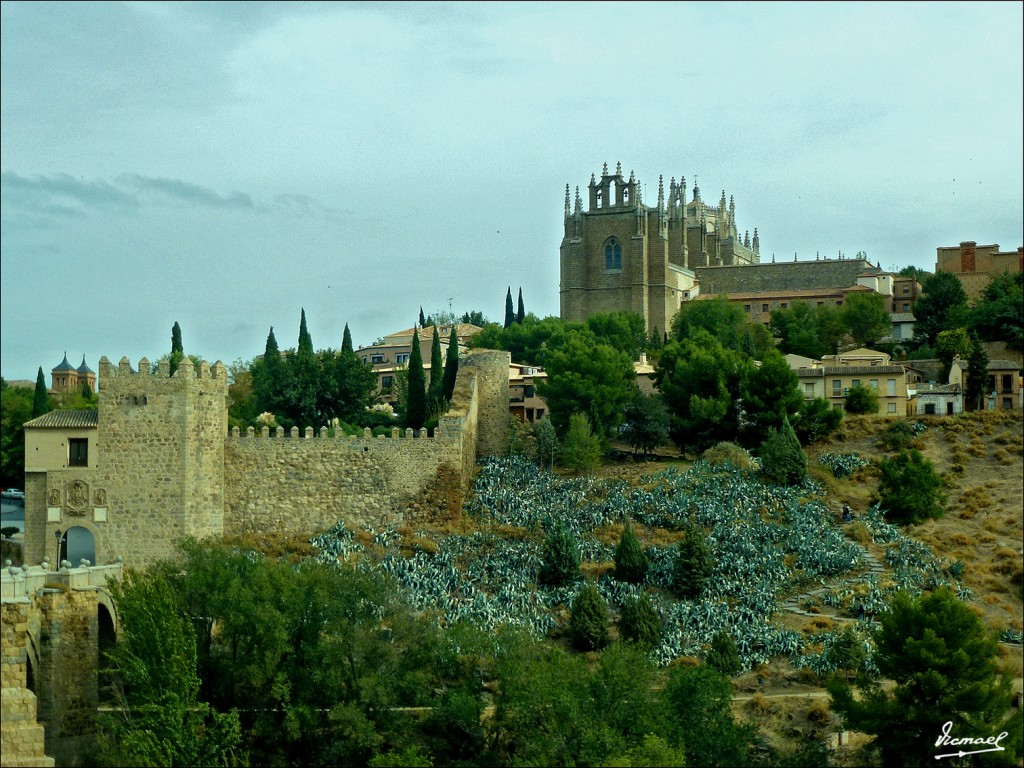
<point x="909" y="488"/>
<point x="590" y="620"/>
<point x="630" y="561"/>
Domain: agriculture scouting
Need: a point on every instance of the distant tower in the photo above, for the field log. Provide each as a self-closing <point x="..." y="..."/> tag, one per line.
<point x="64" y="378"/>
<point x="87" y="375"/>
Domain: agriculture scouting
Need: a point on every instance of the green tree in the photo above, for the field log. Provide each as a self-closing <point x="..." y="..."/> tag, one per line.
<point x="589" y="620"/>
<point x="162" y="722"/>
<point x="346" y="341"/>
<point x="451" y="366"/>
<point x="723" y="320"/>
<point x="546" y="440"/>
<point x="586" y="376"/>
<point x="952" y="344"/>
<point x="528" y="342"/>
<point x="268" y="378"/>
<point x="976" y="380"/>
<point x="942" y="305"/>
<point x="15" y="409"/>
<point x="782" y="459"/>
<point x="796" y="329"/>
<point x="436" y="368"/>
<point x="560" y="561"/>
<point x="909" y="489"/>
<point x="646" y="423"/>
<point x="581" y="448"/>
<point x="723" y="655"/>
<point x="423" y="320"/>
<point x="698" y="705"/>
<point x="861" y="399"/>
<point x="847" y="652"/>
<point x="830" y="327"/>
<point x="41" y="398"/>
<point x="693" y="564"/>
<point x="640" y="622"/>
<point x="630" y="559"/>
<point x="818" y="419"/>
<point x="521" y="309"/>
<point x="177" y="350"/>
<point x="305" y="340"/>
<point x="349" y="386"/>
<point x="623" y="330"/>
<point x="510" y="312"/>
<point x="416" y="404"/>
<point x="942" y="659"/>
<point x="303" y="393"/>
<point x="865" y="316"/>
<point x="771" y="393"/>
<point x="999" y="314"/>
<point x="473" y="318"/>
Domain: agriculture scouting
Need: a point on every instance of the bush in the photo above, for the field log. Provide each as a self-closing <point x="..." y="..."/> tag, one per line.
<point x="693" y="564"/>
<point x="560" y="563"/>
<point x="723" y="655"/>
<point x="630" y="560"/>
<point x="588" y="625"/>
<point x="861" y="400"/>
<point x="581" y="448"/>
<point x="640" y="622"/>
<point x="898" y="436"/>
<point x="729" y="453"/>
<point x="909" y="489"/>
<point x="782" y="459"/>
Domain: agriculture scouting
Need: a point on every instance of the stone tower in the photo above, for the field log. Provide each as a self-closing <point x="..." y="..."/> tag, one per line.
<point x="621" y="254"/>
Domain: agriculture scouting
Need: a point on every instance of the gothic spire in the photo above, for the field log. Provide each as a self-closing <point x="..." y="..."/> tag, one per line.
<point x="567" y="209"/>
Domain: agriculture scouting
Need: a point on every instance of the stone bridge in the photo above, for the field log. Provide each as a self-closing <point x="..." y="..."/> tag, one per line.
<point x="55" y="625"/>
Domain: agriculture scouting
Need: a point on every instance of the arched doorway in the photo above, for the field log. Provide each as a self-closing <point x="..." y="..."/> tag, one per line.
<point x="78" y="543"/>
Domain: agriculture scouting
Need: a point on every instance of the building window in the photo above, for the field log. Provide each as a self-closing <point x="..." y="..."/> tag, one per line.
<point x="809" y="389"/>
<point x="746" y="307"/>
<point x="764" y="307"/>
<point x="1008" y="403"/>
<point x="906" y="289"/>
<point x="906" y="307"/>
<point x="821" y="303"/>
<point x="855" y="383"/>
<point x="784" y="305"/>
<point x="873" y="384"/>
<point x="892" y="407"/>
<point x="78" y="452"/>
<point x="376" y="358"/>
<point x="1007" y="383"/>
<point x="528" y="390"/>
<point x="896" y="332"/>
<point x="839" y="303"/>
<point x="837" y="388"/>
<point x="540" y="413"/>
<point x="890" y="387"/>
<point x="612" y="255"/>
<point x="929" y="409"/>
<point x="402" y="358"/>
<point x="386" y="382"/>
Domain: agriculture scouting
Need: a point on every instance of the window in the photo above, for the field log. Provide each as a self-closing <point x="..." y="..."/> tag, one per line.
<point x="809" y="389"/>
<point x="78" y="452"/>
<point x="821" y="303"/>
<point x="401" y="358"/>
<point x="873" y="383"/>
<point x="746" y="307"/>
<point x="906" y="307"/>
<point x="837" y="388"/>
<point x="890" y="387"/>
<point x="895" y="331"/>
<point x="1008" y="403"/>
<point x="386" y="382"/>
<point x="1007" y="383"/>
<point x="376" y="358"/>
<point x="906" y="289"/>
<point x="540" y="413"/>
<point x="612" y="255"/>
<point x="929" y="409"/>
<point x="855" y="383"/>
<point x="892" y="407"/>
<point x="839" y="303"/>
<point x="784" y="305"/>
<point x="764" y="307"/>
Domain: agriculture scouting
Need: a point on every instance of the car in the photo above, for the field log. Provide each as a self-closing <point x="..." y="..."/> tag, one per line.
<point x="13" y="494"/>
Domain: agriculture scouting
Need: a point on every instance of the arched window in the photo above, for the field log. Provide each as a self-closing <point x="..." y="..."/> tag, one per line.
<point x="612" y="254"/>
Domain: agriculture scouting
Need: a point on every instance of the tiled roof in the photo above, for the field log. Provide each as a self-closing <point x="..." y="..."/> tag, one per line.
<point x="1003" y="365"/>
<point x="902" y="317"/>
<point x="64" y="365"/>
<point x="64" y="420"/>
<point x="83" y="368"/>
<point x="941" y="389"/>
<point x="848" y="370"/>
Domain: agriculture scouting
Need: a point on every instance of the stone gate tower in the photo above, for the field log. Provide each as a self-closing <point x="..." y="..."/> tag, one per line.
<point x="622" y="255"/>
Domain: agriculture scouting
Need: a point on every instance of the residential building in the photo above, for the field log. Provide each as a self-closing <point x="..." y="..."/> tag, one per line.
<point x="974" y="265"/>
<point x="1004" y="386"/>
<point x="523" y="401"/>
<point x="832" y="378"/>
<point x="623" y="255"/>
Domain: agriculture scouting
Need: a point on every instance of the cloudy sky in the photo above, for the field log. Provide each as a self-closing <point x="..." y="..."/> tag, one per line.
<point x="226" y="165"/>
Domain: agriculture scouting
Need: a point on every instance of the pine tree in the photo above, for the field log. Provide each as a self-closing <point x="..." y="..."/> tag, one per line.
<point x="723" y="655"/>
<point x="640" y="622"/>
<point x="451" y="365"/>
<point x="581" y="448"/>
<point x="560" y="562"/>
<point x="41" y="400"/>
<point x="588" y="624"/>
<point x="630" y="559"/>
<point x="423" y="320"/>
<point x="510" y="313"/>
<point x="268" y="377"/>
<point x="521" y="311"/>
<point x="346" y="341"/>
<point x="177" y="350"/>
<point x="416" y="400"/>
<point x="305" y="340"/>
<point x="782" y="459"/>
<point x="977" y="374"/>
<point x="693" y="564"/>
<point x="436" y="367"/>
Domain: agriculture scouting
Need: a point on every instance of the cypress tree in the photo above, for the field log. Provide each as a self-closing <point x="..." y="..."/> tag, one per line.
<point x="630" y="559"/>
<point x="269" y="379"/>
<point x="560" y="562"/>
<point x="41" y="400"/>
<point x="693" y="564"/>
<point x="436" y="367"/>
<point x="346" y="341"/>
<point x="723" y="655"/>
<point x="977" y="374"/>
<point x="305" y="340"/>
<point x="423" y="320"/>
<point x="416" y="400"/>
<point x="588" y="624"/>
<point x="510" y="313"/>
<point x="451" y="365"/>
<point x="521" y="311"/>
<point x="640" y="622"/>
<point x="177" y="350"/>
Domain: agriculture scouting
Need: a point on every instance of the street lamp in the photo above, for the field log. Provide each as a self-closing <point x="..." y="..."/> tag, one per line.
<point x="57" y="535"/>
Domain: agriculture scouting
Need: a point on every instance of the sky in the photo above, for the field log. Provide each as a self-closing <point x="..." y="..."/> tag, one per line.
<point x="225" y="166"/>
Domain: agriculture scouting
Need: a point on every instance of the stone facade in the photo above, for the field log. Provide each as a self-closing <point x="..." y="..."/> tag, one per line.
<point x="622" y="255"/>
<point x="162" y="466"/>
<point x="815" y="275"/>
<point x="975" y="264"/>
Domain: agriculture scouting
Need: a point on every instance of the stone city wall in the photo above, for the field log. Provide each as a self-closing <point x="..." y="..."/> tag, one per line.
<point x="805" y="275"/>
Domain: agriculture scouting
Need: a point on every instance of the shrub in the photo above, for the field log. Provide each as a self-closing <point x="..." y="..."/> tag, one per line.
<point x="782" y="459"/>
<point x="560" y="564"/>
<point x="588" y="625"/>
<point x="693" y="564"/>
<point x="909" y="489"/>
<point x="729" y="453"/>
<point x="640" y="622"/>
<point x="898" y="436"/>
<point x="723" y="655"/>
<point x="861" y="400"/>
<point x="630" y="560"/>
<point x="581" y="448"/>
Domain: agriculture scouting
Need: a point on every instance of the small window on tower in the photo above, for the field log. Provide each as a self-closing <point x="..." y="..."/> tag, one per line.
<point x="612" y="255"/>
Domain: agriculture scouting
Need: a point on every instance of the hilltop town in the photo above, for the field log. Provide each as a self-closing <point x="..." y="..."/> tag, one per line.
<point x="660" y="473"/>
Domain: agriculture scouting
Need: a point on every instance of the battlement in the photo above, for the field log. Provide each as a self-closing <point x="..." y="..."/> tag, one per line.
<point x="443" y="431"/>
<point x="186" y="370"/>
